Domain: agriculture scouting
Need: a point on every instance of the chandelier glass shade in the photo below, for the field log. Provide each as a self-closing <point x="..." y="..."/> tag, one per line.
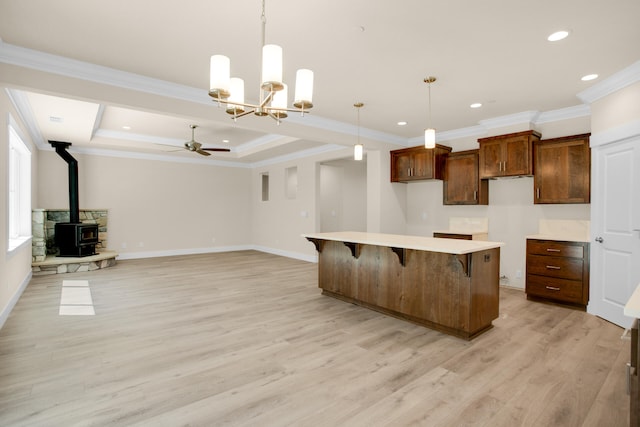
<point x="273" y="92"/>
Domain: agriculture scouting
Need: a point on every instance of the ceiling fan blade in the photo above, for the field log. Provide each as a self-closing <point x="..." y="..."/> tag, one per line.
<point x="225" y="150"/>
<point x="204" y="153"/>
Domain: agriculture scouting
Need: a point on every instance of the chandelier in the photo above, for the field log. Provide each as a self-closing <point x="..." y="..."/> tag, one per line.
<point x="273" y="92"/>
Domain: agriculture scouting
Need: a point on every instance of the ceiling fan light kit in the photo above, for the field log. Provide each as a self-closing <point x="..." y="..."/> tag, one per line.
<point x="273" y="92"/>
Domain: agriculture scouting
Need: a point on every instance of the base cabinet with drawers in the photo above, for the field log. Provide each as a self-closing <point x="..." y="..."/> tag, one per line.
<point x="558" y="271"/>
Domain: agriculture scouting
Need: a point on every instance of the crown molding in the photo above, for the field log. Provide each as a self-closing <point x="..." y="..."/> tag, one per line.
<point x="576" y="111"/>
<point x="621" y="79"/>
<point x="20" y="102"/>
<point x="509" y="120"/>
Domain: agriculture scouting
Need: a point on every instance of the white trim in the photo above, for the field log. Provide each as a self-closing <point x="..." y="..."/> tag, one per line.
<point x="511" y="119"/>
<point x="4" y="315"/>
<point x="582" y="110"/>
<point x="619" y="133"/>
<point x="196" y="251"/>
<point x="621" y="79"/>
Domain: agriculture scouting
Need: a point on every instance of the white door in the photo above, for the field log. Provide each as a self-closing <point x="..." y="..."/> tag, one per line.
<point x="615" y="228"/>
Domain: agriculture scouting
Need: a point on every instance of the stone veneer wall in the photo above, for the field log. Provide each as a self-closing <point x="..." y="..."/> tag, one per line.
<point x="43" y="229"/>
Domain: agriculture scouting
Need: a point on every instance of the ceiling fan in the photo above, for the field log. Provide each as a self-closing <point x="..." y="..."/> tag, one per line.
<point x="195" y="146"/>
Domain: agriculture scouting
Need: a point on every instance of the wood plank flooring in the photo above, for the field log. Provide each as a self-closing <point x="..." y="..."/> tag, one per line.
<point x="246" y="339"/>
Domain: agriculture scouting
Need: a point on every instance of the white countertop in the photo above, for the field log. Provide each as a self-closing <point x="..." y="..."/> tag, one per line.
<point x="560" y="237"/>
<point x="632" y="308"/>
<point x="431" y="244"/>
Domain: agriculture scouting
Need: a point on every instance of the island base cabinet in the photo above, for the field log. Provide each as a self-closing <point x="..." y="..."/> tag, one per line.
<point x="455" y="294"/>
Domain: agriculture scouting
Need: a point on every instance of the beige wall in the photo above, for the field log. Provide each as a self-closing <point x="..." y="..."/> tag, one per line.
<point x="15" y="267"/>
<point x="155" y="207"/>
<point x="617" y="109"/>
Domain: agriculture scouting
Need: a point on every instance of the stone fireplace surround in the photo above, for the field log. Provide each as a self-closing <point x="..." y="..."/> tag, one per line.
<point x="43" y="246"/>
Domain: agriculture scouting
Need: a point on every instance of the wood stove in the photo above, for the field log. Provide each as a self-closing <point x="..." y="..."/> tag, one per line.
<point x="74" y="238"/>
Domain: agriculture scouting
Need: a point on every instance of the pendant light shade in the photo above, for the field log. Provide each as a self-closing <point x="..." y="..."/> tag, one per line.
<point x="357" y="152"/>
<point x="271" y="67"/>
<point x="219" y="81"/>
<point x="430" y="138"/>
<point x="430" y="132"/>
<point x="304" y="89"/>
<point x="279" y="103"/>
<point x="358" y="149"/>
<point x="236" y="97"/>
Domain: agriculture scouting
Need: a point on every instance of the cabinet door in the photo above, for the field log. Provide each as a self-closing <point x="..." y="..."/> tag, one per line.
<point x="562" y="170"/>
<point x="400" y="166"/>
<point x="423" y="164"/>
<point x="462" y="184"/>
<point x="517" y="156"/>
<point x="490" y="159"/>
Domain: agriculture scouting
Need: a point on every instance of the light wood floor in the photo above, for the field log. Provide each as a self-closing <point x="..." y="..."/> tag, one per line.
<point x="245" y="338"/>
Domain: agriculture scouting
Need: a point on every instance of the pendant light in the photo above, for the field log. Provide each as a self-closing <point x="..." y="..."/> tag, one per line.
<point x="358" y="149"/>
<point x="430" y="132"/>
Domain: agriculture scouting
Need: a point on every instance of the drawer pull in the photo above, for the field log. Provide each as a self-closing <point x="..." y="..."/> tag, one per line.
<point x="552" y="267"/>
<point x="552" y="288"/>
<point x="553" y="250"/>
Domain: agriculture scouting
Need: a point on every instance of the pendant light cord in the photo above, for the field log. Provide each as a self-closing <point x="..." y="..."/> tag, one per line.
<point x="263" y="18"/>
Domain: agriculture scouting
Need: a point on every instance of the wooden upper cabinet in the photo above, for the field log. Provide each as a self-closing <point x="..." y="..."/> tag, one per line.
<point x="418" y="163"/>
<point x="462" y="183"/>
<point x="562" y="170"/>
<point x="507" y="155"/>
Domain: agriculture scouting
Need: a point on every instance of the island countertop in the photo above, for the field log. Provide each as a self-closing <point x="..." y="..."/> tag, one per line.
<point x="431" y="244"/>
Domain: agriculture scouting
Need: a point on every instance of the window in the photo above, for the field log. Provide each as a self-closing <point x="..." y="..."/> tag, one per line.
<point x="265" y="186"/>
<point x="19" y="180"/>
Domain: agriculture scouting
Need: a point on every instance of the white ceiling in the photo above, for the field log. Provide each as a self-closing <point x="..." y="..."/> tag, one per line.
<point x="492" y="51"/>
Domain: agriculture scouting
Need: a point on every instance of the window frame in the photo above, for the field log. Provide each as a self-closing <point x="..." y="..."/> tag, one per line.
<point x="18" y="176"/>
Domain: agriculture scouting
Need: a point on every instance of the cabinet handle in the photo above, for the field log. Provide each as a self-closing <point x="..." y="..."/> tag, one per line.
<point x="553" y="250"/>
<point x="475" y="195"/>
<point x="409" y="172"/>
<point x="552" y="288"/>
<point x="552" y="267"/>
<point x="630" y="372"/>
<point x="500" y="166"/>
<point x="538" y="192"/>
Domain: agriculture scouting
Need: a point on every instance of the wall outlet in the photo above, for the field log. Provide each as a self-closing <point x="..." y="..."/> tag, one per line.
<point x="141" y="244"/>
<point x="518" y="274"/>
<point x="124" y="245"/>
<point x="213" y="240"/>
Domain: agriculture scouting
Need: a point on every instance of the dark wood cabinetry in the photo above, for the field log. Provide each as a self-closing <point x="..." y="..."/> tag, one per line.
<point x="462" y="183"/>
<point x="562" y="170"/>
<point x="507" y="155"/>
<point x="418" y="163"/>
<point x="558" y="271"/>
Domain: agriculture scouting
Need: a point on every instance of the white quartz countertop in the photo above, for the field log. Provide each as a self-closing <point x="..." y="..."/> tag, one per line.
<point x="431" y="244"/>
<point x="632" y="308"/>
<point x="560" y="237"/>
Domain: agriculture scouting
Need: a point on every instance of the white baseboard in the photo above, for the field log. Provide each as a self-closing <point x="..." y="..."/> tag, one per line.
<point x="4" y="315"/>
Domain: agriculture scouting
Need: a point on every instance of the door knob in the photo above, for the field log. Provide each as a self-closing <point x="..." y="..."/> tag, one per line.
<point x="599" y="239"/>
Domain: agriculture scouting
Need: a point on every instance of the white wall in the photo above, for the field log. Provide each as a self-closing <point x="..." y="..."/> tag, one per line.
<point x="343" y="196"/>
<point x="155" y="207"/>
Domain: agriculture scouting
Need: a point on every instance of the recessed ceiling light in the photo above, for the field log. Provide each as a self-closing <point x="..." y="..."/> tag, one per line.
<point x="126" y="127"/>
<point x="589" y="77"/>
<point x="226" y="141"/>
<point x="475" y="105"/>
<point x="55" y="119"/>
<point x="402" y="123"/>
<point x="558" y="35"/>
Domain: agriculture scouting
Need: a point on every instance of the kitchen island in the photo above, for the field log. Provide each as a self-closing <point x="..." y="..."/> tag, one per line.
<point x="445" y="284"/>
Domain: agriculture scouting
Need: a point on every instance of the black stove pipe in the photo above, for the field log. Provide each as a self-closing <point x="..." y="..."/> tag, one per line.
<point x="74" y="207"/>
